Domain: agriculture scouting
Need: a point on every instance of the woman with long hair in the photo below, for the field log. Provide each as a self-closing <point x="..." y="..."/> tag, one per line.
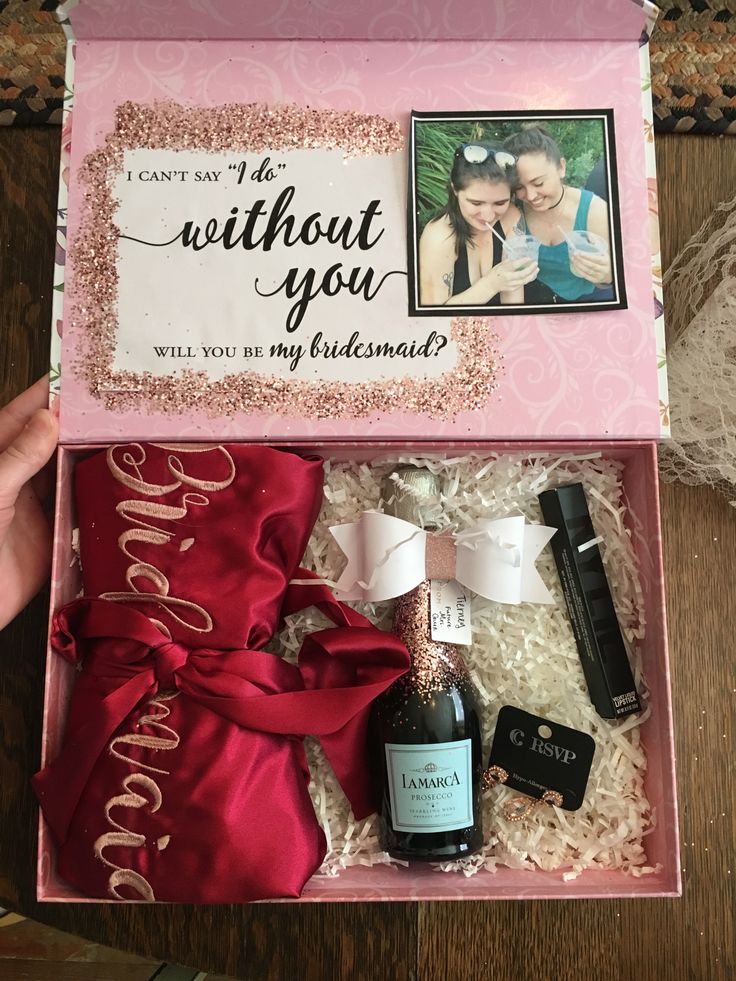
<point x="461" y="250"/>
<point x="570" y="223"/>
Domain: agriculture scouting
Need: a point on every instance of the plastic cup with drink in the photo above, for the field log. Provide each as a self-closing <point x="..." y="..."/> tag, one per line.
<point x="586" y="243"/>
<point x="519" y="248"/>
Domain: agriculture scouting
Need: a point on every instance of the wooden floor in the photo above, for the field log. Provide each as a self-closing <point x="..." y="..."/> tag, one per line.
<point x="31" y="951"/>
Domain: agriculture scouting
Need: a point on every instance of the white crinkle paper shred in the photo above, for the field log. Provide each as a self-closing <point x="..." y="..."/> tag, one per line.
<point x="521" y="655"/>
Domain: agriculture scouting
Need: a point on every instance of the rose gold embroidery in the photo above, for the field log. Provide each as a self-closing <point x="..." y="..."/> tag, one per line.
<point x="148" y="742"/>
<point x="165" y="512"/>
<point x="166" y="602"/>
<point x="136" y="739"/>
<point x="136" y="800"/>
<point x="127" y="877"/>
<point x="159" y="702"/>
<point x="162" y="627"/>
<point x="151" y="534"/>
<point x="122" y="837"/>
<point x="136" y="483"/>
<point x="174" y="465"/>
<point x="143" y="570"/>
<point x="136" y="511"/>
<point x="141" y="486"/>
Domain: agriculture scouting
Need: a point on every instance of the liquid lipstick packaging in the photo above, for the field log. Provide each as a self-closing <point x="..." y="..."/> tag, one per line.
<point x="589" y="602"/>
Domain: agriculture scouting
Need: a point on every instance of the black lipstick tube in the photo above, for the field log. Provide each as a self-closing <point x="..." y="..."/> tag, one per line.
<point x="589" y="602"/>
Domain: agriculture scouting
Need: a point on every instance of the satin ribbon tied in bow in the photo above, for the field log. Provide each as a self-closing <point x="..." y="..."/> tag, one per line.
<point x="388" y="557"/>
<point x="224" y="772"/>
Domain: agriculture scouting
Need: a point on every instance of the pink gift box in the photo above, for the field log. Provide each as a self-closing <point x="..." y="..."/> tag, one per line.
<point x="573" y="382"/>
<point x="380" y="883"/>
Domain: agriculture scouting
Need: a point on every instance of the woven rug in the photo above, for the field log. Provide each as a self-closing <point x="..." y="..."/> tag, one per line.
<point x="693" y="54"/>
<point x="693" y="51"/>
<point x="32" y="54"/>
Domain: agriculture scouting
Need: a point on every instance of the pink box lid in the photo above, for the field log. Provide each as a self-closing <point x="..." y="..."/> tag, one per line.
<point x="387" y="20"/>
<point x="175" y="327"/>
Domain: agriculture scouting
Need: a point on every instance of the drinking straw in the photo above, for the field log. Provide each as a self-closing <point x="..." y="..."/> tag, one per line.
<point x="490" y="228"/>
<point x="570" y="243"/>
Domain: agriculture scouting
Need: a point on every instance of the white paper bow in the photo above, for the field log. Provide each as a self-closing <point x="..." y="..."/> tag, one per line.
<point x="387" y="557"/>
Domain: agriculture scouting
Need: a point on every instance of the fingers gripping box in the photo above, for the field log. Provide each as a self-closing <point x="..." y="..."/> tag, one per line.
<point x="377" y="236"/>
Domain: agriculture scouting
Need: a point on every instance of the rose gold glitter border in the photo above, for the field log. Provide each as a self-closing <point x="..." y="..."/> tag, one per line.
<point x="252" y="127"/>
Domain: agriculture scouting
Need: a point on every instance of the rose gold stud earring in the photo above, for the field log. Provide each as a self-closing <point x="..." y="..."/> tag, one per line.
<point x="493" y="776"/>
<point x="519" y="808"/>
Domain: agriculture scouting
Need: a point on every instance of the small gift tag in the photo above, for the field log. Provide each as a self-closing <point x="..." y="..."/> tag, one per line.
<point x="540" y="755"/>
<point x="450" y="612"/>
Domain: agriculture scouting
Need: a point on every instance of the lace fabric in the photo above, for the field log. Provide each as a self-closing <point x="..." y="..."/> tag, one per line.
<point x="700" y="291"/>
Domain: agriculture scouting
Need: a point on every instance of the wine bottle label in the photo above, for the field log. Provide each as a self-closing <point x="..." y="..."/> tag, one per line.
<point x="430" y="786"/>
<point x="449" y="607"/>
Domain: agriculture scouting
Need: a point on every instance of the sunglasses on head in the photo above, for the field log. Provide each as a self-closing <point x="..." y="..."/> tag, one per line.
<point x="476" y="153"/>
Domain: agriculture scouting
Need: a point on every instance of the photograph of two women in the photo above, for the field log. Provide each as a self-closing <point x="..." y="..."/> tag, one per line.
<point x="516" y="212"/>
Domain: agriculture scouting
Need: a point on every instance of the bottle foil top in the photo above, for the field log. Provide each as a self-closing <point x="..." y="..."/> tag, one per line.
<point x="414" y="496"/>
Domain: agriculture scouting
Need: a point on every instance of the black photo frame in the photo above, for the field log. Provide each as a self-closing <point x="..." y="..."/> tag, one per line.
<point x="432" y="136"/>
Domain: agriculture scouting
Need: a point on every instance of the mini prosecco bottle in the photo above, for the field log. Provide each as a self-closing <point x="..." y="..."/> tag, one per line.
<point x="427" y="737"/>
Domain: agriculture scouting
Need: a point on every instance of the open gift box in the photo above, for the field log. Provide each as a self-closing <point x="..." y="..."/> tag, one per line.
<point x="241" y="267"/>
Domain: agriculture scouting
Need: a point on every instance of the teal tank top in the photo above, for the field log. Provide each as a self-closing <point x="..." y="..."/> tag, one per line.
<point x="554" y="260"/>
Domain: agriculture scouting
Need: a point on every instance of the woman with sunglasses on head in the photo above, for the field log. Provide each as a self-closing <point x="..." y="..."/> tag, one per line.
<point x="460" y="251"/>
<point x="571" y="224"/>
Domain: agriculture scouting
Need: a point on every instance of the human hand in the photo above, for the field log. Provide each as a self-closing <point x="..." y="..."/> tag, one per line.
<point x="512" y="274"/>
<point x="595" y="268"/>
<point x="28" y="437"/>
